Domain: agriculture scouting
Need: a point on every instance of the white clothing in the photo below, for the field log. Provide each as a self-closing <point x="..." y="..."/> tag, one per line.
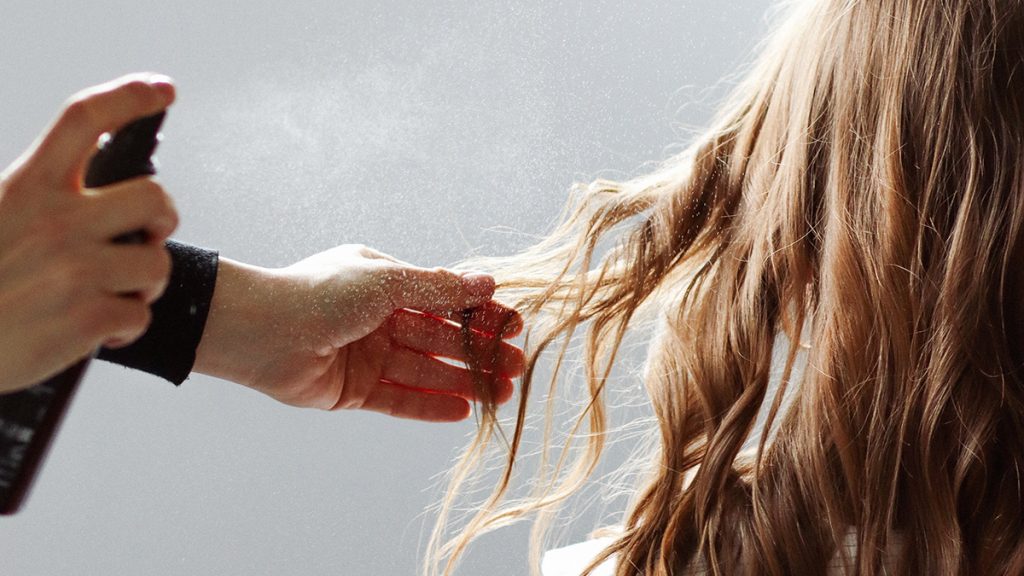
<point x="571" y="560"/>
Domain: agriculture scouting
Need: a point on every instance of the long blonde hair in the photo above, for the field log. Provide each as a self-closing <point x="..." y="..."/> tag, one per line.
<point x="860" y="196"/>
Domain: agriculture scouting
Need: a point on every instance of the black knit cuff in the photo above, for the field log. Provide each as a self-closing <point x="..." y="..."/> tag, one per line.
<point x="168" y="348"/>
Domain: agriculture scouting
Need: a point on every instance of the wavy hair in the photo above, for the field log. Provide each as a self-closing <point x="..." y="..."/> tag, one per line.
<point x="857" y="199"/>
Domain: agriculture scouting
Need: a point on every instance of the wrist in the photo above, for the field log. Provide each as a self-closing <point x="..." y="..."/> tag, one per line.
<point x="238" y="312"/>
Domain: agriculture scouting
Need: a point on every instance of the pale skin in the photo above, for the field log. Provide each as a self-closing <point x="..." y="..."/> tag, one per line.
<point x="62" y="280"/>
<point x="354" y="328"/>
<point x="349" y="328"/>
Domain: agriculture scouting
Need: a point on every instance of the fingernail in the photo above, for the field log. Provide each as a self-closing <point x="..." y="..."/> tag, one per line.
<point x="479" y="284"/>
<point x="162" y="83"/>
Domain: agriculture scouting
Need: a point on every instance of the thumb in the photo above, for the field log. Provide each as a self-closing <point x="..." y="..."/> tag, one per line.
<point x="440" y="290"/>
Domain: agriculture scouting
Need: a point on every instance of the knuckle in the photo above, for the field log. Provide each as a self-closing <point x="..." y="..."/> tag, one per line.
<point x="80" y="111"/>
<point x="169" y="203"/>
<point x="157" y="197"/>
<point x="158" y="264"/>
<point x="123" y="317"/>
<point x="90" y="319"/>
<point x="391" y="278"/>
<point x="137" y="88"/>
<point x="446" y="276"/>
<point x="150" y="190"/>
<point x="173" y="219"/>
<point x="388" y="274"/>
<point x="71" y="280"/>
<point x="65" y="293"/>
<point x="148" y="198"/>
<point x="137" y="316"/>
<point x="168" y="209"/>
<point x="151" y="296"/>
<point x="157" y="272"/>
<point x="54" y="234"/>
<point x="163" y="259"/>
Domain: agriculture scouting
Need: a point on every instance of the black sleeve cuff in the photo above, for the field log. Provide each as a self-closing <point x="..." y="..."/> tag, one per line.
<point x="168" y="348"/>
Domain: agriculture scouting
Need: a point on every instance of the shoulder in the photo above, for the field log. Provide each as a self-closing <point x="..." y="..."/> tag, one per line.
<point x="571" y="560"/>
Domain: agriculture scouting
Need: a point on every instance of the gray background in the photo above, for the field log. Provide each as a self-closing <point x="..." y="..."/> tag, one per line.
<point x="429" y="130"/>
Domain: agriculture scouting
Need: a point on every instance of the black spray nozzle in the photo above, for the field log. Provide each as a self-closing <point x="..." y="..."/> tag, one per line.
<point x="127" y="154"/>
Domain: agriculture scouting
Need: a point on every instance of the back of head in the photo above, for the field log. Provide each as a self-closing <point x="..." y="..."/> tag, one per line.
<point x="861" y="194"/>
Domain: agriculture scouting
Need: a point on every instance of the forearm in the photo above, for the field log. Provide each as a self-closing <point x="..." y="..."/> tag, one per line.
<point x="353" y="328"/>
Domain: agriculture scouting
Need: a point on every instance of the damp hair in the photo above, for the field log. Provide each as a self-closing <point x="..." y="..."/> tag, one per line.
<point x="857" y="198"/>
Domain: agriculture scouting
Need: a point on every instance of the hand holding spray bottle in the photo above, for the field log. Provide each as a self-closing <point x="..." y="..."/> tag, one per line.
<point x="29" y="418"/>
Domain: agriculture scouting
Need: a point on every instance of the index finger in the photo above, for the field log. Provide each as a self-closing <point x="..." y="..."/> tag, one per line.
<point x="69" y="143"/>
<point x="492" y="318"/>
